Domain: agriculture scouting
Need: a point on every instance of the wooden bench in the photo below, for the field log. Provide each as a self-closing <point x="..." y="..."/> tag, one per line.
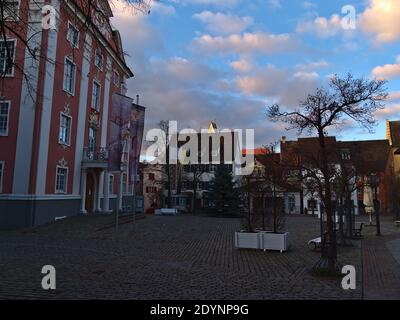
<point x="169" y="212"/>
<point x="358" y="231"/>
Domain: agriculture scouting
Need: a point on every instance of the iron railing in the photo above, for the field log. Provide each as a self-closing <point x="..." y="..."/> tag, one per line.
<point x="95" y="154"/>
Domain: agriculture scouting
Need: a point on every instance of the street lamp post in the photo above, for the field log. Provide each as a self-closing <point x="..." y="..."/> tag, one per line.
<point x="374" y="181"/>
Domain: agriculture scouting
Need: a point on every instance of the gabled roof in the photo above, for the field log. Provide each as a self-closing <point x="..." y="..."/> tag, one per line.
<point x="368" y="156"/>
<point x="105" y="5"/>
<point x="394" y="133"/>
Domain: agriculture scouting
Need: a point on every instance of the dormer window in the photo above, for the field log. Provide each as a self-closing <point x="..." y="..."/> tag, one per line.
<point x="346" y="155"/>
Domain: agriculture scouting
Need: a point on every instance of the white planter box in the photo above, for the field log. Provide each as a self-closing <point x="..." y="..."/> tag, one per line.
<point x="275" y="241"/>
<point x="247" y="240"/>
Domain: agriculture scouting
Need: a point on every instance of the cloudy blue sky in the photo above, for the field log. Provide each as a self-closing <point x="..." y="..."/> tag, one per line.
<point x="226" y="60"/>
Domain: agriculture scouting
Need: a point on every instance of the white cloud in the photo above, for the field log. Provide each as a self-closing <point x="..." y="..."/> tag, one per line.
<point x="278" y="85"/>
<point x="275" y="3"/>
<point x="241" y="65"/>
<point x="223" y="23"/>
<point x="247" y="43"/>
<point x="311" y="66"/>
<point x="390" y="111"/>
<point x="388" y="71"/>
<point x="215" y="3"/>
<point x="162" y="8"/>
<point x="394" y="96"/>
<point x="382" y="18"/>
<point x="321" y="26"/>
<point x="308" y="5"/>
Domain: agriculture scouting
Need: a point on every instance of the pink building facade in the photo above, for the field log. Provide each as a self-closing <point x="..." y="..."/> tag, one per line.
<point x="54" y="113"/>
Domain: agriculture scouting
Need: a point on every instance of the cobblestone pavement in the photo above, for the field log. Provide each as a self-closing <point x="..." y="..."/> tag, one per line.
<point x="184" y="257"/>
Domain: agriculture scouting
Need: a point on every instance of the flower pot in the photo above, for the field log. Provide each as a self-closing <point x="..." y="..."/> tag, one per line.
<point x="274" y="241"/>
<point x="248" y="240"/>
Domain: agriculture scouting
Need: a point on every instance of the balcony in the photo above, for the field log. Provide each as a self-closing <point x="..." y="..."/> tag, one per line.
<point x="95" y="158"/>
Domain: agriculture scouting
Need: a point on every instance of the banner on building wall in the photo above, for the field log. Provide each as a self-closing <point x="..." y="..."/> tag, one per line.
<point x="119" y="126"/>
<point x="137" y="130"/>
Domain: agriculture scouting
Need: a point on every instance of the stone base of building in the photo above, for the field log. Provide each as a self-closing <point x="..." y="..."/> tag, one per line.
<point x="28" y="213"/>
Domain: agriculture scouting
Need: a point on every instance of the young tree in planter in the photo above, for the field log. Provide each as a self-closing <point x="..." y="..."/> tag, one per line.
<point x="345" y="184"/>
<point x="261" y="188"/>
<point x="164" y="126"/>
<point x="345" y="98"/>
<point x="223" y="192"/>
<point x="193" y="175"/>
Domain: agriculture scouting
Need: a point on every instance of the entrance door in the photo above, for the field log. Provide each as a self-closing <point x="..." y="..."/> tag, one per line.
<point x="89" y="193"/>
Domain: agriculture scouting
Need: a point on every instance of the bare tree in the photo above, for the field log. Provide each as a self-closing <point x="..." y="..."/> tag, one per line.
<point x="344" y="99"/>
<point x="345" y="183"/>
<point x="260" y="191"/>
<point x="193" y="176"/>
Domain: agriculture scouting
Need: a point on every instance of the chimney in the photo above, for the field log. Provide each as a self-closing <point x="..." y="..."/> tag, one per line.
<point x="137" y="99"/>
<point x="283" y="140"/>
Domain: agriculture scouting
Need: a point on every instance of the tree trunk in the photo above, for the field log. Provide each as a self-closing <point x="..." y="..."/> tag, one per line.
<point x="328" y="264"/>
<point x="349" y="213"/>
<point x="342" y="241"/>
<point x="301" y="200"/>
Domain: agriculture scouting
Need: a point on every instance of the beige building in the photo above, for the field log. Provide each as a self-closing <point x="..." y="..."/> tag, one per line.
<point x="393" y="135"/>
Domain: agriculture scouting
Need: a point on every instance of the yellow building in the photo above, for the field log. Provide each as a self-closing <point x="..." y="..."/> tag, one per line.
<point x="393" y="135"/>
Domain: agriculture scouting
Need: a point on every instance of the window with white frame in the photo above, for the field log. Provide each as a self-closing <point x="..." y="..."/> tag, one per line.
<point x="116" y="78"/>
<point x="69" y="76"/>
<point x="7" y="57"/>
<point x="65" y="129"/>
<point x="98" y="59"/>
<point x="61" y="179"/>
<point x="111" y="184"/>
<point x="2" y="163"/>
<point x="124" y="183"/>
<point x="4" y="117"/>
<point x="73" y="35"/>
<point x="96" y="95"/>
<point x="11" y="10"/>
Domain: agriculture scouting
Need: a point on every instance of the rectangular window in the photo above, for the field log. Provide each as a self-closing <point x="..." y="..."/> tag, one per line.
<point x="111" y="184"/>
<point x="69" y="76"/>
<point x="61" y="180"/>
<point x="4" y="117"/>
<point x="73" y="35"/>
<point x="1" y="175"/>
<point x="7" y="57"/>
<point x="92" y="139"/>
<point x="11" y="10"/>
<point x="98" y="60"/>
<point x="65" y="130"/>
<point x="96" y="96"/>
<point x="124" y="183"/>
<point x="346" y="155"/>
<point x="116" y="79"/>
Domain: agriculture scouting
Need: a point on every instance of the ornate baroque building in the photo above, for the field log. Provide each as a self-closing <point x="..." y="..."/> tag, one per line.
<point x="56" y="88"/>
